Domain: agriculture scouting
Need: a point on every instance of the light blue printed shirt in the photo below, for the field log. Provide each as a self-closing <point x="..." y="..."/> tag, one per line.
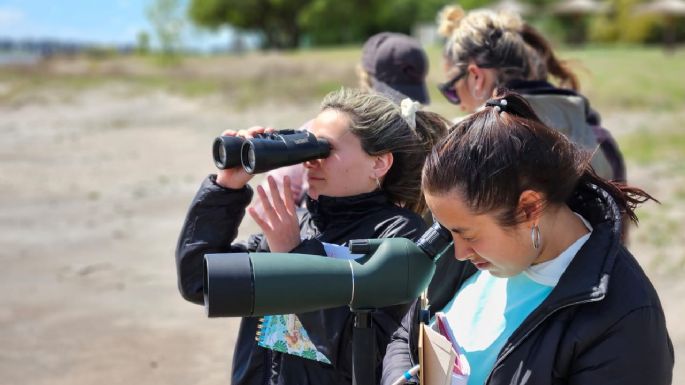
<point x="487" y="310"/>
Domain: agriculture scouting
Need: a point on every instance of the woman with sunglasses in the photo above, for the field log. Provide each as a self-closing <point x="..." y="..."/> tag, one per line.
<point x="368" y="187"/>
<point x="544" y="292"/>
<point x="485" y="50"/>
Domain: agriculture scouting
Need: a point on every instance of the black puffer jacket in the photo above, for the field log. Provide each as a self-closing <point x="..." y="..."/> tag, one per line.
<point x="211" y="227"/>
<point x="602" y="324"/>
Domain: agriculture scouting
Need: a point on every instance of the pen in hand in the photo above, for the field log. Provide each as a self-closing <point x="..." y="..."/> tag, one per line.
<point x="407" y="375"/>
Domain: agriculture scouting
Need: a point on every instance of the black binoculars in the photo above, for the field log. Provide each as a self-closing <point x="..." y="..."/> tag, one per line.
<point x="268" y="151"/>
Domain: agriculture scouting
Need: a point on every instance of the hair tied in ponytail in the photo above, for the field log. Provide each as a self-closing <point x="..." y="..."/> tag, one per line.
<point x="409" y="108"/>
<point x="500" y="105"/>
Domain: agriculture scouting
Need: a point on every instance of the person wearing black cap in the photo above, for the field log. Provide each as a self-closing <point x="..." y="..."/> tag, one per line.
<point x="395" y="65"/>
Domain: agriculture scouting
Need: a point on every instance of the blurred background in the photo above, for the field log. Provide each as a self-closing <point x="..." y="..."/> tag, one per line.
<point x="107" y="115"/>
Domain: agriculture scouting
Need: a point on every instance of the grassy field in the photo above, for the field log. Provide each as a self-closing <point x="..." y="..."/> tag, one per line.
<point x="612" y="77"/>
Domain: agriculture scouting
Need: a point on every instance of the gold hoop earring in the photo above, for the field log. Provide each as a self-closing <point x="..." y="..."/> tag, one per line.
<point x="535" y="236"/>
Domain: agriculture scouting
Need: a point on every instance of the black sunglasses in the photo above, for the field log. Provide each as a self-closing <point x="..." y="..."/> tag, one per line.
<point x="447" y="88"/>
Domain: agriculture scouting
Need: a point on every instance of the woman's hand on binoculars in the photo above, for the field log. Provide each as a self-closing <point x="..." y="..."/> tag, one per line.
<point x="236" y="177"/>
<point x="278" y="221"/>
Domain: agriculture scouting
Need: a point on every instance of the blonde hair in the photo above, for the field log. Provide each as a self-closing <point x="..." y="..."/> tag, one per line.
<point x="379" y="125"/>
<point x="364" y="78"/>
<point x="501" y="41"/>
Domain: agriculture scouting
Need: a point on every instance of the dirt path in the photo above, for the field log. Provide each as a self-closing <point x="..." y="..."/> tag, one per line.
<point x="93" y="189"/>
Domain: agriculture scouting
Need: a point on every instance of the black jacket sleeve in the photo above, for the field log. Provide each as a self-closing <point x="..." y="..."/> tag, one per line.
<point x="402" y="351"/>
<point x="210" y="226"/>
<point x="399" y="356"/>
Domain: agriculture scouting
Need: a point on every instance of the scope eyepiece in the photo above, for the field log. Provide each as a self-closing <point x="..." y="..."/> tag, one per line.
<point x="435" y="240"/>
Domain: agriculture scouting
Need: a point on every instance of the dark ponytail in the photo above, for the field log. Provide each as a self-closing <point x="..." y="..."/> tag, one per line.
<point x="495" y="154"/>
<point x="626" y="197"/>
<point x="555" y="67"/>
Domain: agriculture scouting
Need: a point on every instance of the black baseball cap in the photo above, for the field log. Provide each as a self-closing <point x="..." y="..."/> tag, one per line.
<point x="397" y="64"/>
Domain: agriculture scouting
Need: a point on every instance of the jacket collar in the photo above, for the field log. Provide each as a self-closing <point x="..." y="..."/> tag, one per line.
<point x="538" y="87"/>
<point x="587" y="277"/>
<point x="337" y="210"/>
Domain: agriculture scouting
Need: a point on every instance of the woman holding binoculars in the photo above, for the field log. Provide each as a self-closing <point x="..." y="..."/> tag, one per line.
<point x="544" y="292"/>
<point x="367" y="187"/>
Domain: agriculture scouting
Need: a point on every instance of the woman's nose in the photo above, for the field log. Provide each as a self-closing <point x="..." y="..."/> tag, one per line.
<point x="461" y="251"/>
<point x="311" y="163"/>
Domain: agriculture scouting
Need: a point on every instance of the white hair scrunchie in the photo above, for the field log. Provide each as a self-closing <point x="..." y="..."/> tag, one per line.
<point x="409" y="108"/>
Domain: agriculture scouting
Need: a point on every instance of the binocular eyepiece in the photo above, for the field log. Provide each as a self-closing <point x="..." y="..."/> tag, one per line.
<point x="268" y="151"/>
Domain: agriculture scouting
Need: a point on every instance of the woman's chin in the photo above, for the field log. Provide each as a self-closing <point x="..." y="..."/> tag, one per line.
<point x="313" y="193"/>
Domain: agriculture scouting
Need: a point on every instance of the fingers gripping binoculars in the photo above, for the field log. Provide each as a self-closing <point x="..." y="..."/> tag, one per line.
<point x="268" y="151"/>
<point x="392" y="271"/>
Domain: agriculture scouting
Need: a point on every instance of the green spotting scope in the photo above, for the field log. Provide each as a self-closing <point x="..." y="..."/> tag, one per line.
<point x="390" y="272"/>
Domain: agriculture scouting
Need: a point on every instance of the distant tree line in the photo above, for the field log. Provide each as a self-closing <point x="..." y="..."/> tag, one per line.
<point x="293" y="23"/>
<point x="49" y="47"/>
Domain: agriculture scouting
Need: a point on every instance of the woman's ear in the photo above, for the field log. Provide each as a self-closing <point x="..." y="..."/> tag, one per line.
<point x="476" y="76"/>
<point x="530" y="206"/>
<point x="382" y="164"/>
<point x="483" y="81"/>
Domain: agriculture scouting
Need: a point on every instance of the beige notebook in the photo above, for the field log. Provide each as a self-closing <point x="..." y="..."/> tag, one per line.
<point x="436" y="357"/>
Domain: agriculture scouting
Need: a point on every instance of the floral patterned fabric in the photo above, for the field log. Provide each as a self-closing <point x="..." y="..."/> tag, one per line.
<point x="285" y="333"/>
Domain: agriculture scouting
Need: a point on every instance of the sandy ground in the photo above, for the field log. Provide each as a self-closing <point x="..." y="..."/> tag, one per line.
<point x="93" y="191"/>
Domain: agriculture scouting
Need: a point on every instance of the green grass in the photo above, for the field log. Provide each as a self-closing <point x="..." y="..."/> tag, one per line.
<point x="25" y="85"/>
<point x="613" y="77"/>
<point x="243" y="79"/>
<point x="646" y="147"/>
<point x="631" y="77"/>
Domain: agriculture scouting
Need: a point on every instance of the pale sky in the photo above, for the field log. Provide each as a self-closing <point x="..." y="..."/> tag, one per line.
<point x="94" y="21"/>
